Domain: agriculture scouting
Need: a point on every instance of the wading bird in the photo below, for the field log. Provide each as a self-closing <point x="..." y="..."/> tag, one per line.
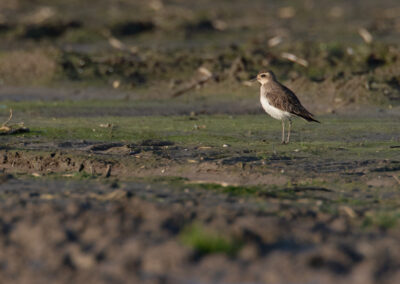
<point x="280" y="102"/>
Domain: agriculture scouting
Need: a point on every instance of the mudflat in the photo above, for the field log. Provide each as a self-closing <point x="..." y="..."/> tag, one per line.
<point x="148" y="158"/>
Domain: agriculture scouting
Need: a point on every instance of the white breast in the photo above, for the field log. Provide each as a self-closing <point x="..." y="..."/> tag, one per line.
<point x="273" y="111"/>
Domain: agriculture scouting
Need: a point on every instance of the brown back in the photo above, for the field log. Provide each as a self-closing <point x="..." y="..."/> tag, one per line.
<point x="284" y="99"/>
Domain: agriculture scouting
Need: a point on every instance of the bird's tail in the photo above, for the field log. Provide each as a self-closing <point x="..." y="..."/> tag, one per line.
<point x="309" y="117"/>
<point x="312" y="119"/>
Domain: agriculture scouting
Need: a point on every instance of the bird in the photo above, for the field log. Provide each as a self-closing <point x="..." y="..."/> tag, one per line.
<point x="280" y="102"/>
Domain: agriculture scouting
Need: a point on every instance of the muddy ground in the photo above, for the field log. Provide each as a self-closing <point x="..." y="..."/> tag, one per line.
<point x="146" y="157"/>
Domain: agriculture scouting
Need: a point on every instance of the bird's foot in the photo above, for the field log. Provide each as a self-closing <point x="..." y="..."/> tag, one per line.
<point x="284" y="142"/>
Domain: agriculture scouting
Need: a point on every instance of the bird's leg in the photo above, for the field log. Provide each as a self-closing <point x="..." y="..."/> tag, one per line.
<point x="288" y="134"/>
<point x="283" y="131"/>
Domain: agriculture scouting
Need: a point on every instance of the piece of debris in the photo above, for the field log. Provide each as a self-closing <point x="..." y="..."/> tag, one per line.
<point x="116" y="84"/>
<point x="295" y="59"/>
<point x="204" y="148"/>
<point x="274" y="41"/>
<point x="204" y="71"/>
<point x="221" y="183"/>
<point x="117" y="44"/>
<point x="199" y="126"/>
<point x="205" y="75"/>
<point x="68" y="175"/>
<point x="6" y="129"/>
<point x="108" y="171"/>
<point x="220" y="25"/>
<point x="92" y="170"/>
<point x="366" y="35"/>
<point x="348" y="211"/>
<point x="47" y="196"/>
<point x="397" y="179"/>
<point x="106" y="125"/>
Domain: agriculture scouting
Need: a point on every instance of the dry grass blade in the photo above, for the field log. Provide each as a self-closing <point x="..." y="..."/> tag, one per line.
<point x="9" y="118"/>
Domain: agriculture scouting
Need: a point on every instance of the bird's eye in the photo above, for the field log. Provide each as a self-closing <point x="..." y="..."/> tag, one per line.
<point x="263" y="76"/>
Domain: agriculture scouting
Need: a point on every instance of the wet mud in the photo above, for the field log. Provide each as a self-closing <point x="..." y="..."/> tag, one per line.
<point x="67" y="216"/>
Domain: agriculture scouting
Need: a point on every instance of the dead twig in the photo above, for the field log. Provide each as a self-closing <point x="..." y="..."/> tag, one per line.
<point x="206" y="76"/>
<point x="4" y="125"/>
<point x="6" y="129"/>
<point x="118" y="44"/>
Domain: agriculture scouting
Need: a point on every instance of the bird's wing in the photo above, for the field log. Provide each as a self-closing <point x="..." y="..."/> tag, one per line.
<point x="284" y="99"/>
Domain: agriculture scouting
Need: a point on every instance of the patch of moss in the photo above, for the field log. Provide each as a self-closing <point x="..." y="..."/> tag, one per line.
<point x="387" y="221"/>
<point x="382" y="220"/>
<point x="205" y="241"/>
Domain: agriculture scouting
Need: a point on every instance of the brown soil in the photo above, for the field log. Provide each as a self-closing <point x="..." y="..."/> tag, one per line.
<point x="116" y="231"/>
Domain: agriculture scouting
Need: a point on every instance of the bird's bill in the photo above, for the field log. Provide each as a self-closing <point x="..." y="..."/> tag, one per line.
<point x="253" y="80"/>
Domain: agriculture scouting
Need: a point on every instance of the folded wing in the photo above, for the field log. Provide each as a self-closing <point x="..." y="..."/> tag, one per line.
<point x="284" y="99"/>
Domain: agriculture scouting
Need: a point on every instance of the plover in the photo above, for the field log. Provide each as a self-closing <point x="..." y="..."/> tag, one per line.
<point x="280" y="102"/>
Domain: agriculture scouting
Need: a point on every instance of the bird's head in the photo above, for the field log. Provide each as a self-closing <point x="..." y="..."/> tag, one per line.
<point x="265" y="77"/>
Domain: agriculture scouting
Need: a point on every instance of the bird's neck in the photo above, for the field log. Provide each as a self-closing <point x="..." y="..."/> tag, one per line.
<point x="263" y="89"/>
<point x="268" y="85"/>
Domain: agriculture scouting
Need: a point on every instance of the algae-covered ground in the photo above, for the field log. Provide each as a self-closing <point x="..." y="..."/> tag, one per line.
<point x="146" y="156"/>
